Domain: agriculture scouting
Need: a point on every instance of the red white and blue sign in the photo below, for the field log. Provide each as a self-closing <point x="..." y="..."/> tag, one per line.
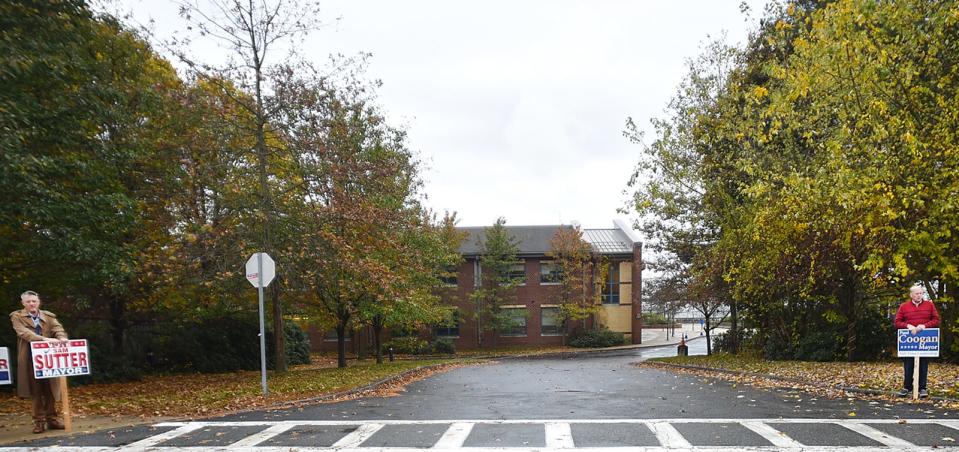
<point x="60" y="359"/>
<point x="924" y="343"/>
<point x="5" y="377"/>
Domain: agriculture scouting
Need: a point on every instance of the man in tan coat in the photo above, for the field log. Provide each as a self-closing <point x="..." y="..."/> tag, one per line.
<point x="31" y="324"/>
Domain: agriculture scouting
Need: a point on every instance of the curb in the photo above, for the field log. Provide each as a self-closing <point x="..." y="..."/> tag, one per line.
<point x="850" y="389"/>
<point x="568" y="353"/>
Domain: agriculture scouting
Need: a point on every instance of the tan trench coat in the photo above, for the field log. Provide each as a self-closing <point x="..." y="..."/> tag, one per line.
<point x="23" y="326"/>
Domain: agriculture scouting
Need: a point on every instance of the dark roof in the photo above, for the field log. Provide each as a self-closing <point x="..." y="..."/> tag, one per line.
<point x="530" y="240"/>
<point x="534" y="240"/>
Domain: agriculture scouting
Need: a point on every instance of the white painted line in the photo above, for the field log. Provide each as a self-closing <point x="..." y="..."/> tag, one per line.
<point x="668" y="436"/>
<point x="769" y="433"/>
<point x="876" y="435"/>
<point x="488" y="449"/>
<point x="559" y="435"/>
<point x="358" y="436"/>
<point x="455" y="436"/>
<point x="948" y="422"/>
<point x="264" y="435"/>
<point x="165" y="436"/>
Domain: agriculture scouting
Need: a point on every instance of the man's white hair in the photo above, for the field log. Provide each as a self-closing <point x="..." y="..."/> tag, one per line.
<point x="917" y="287"/>
<point x="28" y="293"/>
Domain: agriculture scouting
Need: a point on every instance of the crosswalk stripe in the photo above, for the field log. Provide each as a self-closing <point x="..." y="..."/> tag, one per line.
<point x="769" y="433"/>
<point x="358" y="436"/>
<point x="668" y="436"/>
<point x="455" y="436"/>
<point x="876" y="435"/>
<point x="559" y="435"/>
<point x="163" y="437"/>
<point x="266" y="434"/>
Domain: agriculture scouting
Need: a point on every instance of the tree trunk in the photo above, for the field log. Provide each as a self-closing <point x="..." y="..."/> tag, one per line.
<point x="278" y="328"/>
<point x="266" y="209"/>
<point x="378" y="341"/>
<point x="479" y="324"/>
<point x="709" y="340"/>
<point x="341" y="345"/>
<point x="734" y="327"/>
<point x="853" y="296"/>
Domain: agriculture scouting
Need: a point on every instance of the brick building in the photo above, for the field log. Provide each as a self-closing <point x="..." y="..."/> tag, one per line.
<point x="534" y="321"/>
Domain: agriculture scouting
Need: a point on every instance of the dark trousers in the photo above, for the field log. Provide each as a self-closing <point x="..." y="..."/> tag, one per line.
<point x="44" y="405"/>
<point x="907" y="367"/>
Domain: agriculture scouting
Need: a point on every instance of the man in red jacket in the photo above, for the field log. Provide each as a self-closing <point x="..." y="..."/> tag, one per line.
<point x="916" y="314"/>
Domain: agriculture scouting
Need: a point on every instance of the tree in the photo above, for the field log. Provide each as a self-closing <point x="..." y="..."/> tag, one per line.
<point x="252" y="31"/>
<point x="364" y="244"/>
<point x="85" y="102"/>
<point x="580" y="288"/>
<point x="497" y="286"/>
<point x="421" y="251"/>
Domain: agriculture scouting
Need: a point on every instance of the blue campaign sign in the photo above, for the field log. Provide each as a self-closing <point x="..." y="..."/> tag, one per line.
<point x="5" y="367"/>
<point x="923" y="344"/>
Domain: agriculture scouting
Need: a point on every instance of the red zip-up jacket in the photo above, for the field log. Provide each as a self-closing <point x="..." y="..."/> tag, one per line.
<point x="924" y="314"/>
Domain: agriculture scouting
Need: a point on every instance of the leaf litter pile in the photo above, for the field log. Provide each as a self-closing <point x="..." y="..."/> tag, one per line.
<point x="202" y="395"/>
<point x="829" y="379"/>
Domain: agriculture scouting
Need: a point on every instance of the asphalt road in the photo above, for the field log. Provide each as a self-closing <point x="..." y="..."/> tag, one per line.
<point x="599" y="401"/>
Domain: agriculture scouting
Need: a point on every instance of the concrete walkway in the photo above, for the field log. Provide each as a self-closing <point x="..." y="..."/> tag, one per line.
<point x="658" y="336"/>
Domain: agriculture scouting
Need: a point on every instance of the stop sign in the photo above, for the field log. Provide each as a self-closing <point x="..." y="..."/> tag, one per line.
<point x="252" y="273"/>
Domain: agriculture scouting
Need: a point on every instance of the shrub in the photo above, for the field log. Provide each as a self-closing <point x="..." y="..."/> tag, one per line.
<point x="443" y="345"/>
<point x="653" y="318"/>
<point x="407" y="346"/>
<point x="597" y="337"/>
<point x="221" y="344"/>
<point x="778" y="348"/>
<point x="819" y="346"/>
<point x="297" y="344"/>
<point x="723" y="343"/>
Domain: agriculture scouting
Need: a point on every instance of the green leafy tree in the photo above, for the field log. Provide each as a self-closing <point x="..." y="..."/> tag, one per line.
<point x="85" y="101"/>
<point x="497" y="286"/>
<point x="581" y="277"/>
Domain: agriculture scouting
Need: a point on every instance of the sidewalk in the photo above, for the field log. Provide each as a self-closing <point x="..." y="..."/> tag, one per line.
<point x="19" y="427"/>
<point x="657" y="336"/>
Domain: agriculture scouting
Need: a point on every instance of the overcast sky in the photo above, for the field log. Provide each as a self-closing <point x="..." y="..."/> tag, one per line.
<point x="517" y="107"/>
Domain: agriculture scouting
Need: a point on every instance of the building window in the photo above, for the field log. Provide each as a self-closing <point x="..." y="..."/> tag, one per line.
<point x="449" y="329"/>
<point x="517" y="273"/>
<point x="517" y="317"/>
<point x="450" y="277"/>
<point x="549" y="321"/>
<point x="611" y="286"/>
<point x="550" y="273"/>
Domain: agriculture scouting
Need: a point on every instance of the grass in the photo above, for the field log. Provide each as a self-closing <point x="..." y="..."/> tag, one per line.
<point x="885" y="376"/>
<point x="208" y="394"/>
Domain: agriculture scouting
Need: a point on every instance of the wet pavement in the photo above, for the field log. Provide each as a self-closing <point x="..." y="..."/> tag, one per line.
<point x="597" y="400"/>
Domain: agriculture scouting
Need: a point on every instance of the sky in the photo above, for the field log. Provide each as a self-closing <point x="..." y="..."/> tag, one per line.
<point x="516" y="108"/>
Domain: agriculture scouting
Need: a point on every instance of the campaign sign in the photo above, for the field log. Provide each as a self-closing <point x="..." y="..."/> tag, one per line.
<point x="5" y="366"/>
<point x="60" y="359"/>
<point x="923" y="344"/>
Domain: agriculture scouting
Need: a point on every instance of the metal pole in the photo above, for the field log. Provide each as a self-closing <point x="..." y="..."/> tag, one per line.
<point x="915" y="378"/>
<point x="259" y="286"/>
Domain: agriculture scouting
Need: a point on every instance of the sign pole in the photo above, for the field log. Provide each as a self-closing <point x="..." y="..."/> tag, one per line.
<point x="65" y="401"/>
<point x="259" y="264"/>
<point x="915" y="378"/>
